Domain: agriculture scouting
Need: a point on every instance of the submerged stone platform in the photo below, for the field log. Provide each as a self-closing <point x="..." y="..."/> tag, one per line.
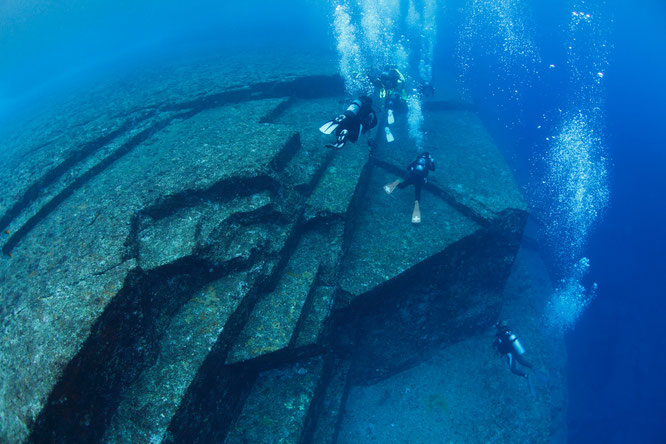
<point x="201" y="268"/>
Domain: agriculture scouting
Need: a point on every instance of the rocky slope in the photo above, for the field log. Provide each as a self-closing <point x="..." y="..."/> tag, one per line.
<point x="198" y="267"/>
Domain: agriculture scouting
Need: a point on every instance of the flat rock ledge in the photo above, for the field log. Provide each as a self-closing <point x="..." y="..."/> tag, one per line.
<point x="213" y="273"/>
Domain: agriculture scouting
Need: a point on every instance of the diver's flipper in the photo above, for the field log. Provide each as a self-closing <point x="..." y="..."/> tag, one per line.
<point x="342" y="139"/>
<point x="328" y="127"/>
<point x="390" y="119"/>
<point x="391" y="186"/>
<point x="529" y="380"/>
<point x="416" y="214"/>
<point x="389" y="135"/>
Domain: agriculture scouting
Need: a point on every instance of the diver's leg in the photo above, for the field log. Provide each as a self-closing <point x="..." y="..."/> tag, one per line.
<point x="406" y="183"/>
<point x="418" y="184"/>
<point x="514" y="370"/>
<point x="354" y="132"/>
<point x="522" y="361"/>
<point x="342" y="134"/>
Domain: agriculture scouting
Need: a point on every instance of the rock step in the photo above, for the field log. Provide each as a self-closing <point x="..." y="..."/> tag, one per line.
<point x="305" y="116"/>
<point x="330" y="409"/>
<point x="181" y="234"/>
<point x="209" y="319"/>
<point x="274" y="319"/>
<point x="58" y="180"/>
<point x="386" y="243"/>
<point x="76" y="295"/>
<point x="31" y="173"/>
<point x="337" y="187"/>
<point x="149" y="404"/>
<point x="314" y="322"/>
<point x="279" y="404"/>
<point x="305" y="170"/>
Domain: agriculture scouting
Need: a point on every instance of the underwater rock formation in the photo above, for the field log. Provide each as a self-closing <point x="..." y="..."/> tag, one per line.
<point x="206" y="270"/>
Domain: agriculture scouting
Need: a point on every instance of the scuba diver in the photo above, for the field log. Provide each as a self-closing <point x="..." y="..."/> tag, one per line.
<point x="508" y="344"/>
<point x="418" y="176"/>
<point x="356" y="120"/>
<point x="392" y="91"/>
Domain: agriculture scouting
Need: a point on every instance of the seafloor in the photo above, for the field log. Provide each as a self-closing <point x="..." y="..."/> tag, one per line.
<point x="184" y="261"/>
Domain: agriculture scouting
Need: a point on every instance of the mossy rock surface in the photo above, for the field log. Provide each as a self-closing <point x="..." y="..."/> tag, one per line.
<point x="176" y="253"/>
<point x="277" y="408"/>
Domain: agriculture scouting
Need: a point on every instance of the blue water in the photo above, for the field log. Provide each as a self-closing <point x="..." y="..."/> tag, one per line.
<point x="618" y="393"/>
<point x="605" y="95"/>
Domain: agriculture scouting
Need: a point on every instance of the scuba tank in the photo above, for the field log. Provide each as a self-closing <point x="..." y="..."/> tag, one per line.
<point x="421" y="166"/>
<point x="516" y="345"/>
<point x="354" y="108"/>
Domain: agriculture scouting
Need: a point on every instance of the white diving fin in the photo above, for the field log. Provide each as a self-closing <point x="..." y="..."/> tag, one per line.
<point x="329" y="127"/>
<point x="389" y="135"/>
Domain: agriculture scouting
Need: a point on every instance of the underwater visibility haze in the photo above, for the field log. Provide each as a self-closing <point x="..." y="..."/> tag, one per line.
<point x="332" y="221"/>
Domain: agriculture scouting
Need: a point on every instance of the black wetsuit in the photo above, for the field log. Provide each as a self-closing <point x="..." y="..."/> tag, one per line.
<point x="506" y="343"/>
<point x="418" y="173"/>
<point x="358" y="115"/>
<point x="393" y="90"/>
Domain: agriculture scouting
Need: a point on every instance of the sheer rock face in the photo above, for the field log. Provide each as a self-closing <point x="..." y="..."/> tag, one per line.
<point x="183" y="275"/>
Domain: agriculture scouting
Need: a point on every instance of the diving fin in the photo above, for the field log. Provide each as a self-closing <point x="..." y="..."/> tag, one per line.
<point x="389" y="135"/>
<point x="529" y="380"/>
<point x="391" y="186"/>
<point x="329" y="127"/>
<point x="390" y="119"/>
<point x="416" y="214"/>
<point x="336" y="145"/>
<point x="341" y="140"/>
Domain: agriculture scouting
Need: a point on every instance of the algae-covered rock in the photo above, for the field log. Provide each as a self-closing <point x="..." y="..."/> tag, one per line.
<point x="386" y="243"/>
<point x="277" y="408"/>
<point x="203" y="268"/>
<point x="338" y="185"/>
<point x="273" y="321"/>
<point x="149" y="404"/>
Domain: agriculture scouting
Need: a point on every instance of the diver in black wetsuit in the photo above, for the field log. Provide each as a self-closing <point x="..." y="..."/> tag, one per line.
<point x="418" y="176"/>
<point x="392" y="91"/>
<point x="356" y="120"/>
